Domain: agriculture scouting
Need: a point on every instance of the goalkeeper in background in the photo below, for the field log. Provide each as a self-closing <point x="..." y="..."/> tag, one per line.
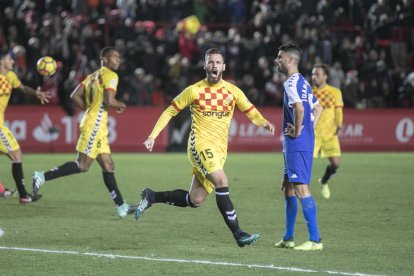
<point x="329" y="124"/>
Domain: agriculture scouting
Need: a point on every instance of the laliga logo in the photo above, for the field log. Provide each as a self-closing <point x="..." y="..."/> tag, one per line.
<point x="404" y="130"/>
<point x="46" y="132"/>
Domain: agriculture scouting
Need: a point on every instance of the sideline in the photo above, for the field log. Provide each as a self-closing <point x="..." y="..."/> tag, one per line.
<point x="115" y="256"/>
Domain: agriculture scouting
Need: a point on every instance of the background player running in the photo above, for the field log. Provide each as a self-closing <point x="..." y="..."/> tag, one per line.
<point x="94" y="95"/>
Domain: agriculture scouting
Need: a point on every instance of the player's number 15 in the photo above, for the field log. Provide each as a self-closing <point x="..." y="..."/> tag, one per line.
<point x="206" y="154"/>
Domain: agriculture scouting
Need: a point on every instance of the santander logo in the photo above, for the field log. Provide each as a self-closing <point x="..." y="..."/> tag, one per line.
<point x="46" y="132"/>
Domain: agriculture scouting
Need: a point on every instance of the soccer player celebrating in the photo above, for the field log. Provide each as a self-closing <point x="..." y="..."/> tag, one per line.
<point x="301" y="112"/>
<point x="95" y="94"/>
<point x="329" y="124"/>
<point x="8" y="143"/>
<point x="212" y="102"/>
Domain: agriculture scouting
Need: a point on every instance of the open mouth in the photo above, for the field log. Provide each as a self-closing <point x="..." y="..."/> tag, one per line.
<point x="214" y="72"/>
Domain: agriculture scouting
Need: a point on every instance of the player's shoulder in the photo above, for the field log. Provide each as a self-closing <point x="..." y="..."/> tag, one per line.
<point x="333" y="88"/>
<point x="232" y="88"/>
<point x="108" y="73"/>
<point x="11" y="75"/>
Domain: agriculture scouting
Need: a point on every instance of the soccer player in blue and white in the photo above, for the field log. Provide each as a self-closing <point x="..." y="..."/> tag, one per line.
<point x="301" y="111"/>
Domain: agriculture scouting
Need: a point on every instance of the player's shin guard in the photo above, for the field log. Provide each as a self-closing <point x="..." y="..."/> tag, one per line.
<point x="227" y="211"/>
<point x="328" y="173"/>
<point x="179" y="198"/>
<point x="309" y="212"/>
<point x="17" y="172"/>
<point x="63" y="170"/>
<point x="291" y="210"/>
<point x="110" y="182"/>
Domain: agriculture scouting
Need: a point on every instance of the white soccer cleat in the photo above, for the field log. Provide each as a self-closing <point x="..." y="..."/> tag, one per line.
<point x="38" y="179"/>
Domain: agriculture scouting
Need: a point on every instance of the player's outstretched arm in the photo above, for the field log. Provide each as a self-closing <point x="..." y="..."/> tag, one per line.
<point x="149" y="143"/>
<point x="41" y="95"/>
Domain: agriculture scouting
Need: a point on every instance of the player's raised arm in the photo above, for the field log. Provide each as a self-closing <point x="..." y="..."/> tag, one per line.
<point x="78" y="95"/>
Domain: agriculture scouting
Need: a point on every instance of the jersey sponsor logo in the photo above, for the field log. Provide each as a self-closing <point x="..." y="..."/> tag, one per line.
<point x="217" y="114"/>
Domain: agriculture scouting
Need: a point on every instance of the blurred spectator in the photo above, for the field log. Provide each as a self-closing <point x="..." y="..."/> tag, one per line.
<point x="371" y="40"/>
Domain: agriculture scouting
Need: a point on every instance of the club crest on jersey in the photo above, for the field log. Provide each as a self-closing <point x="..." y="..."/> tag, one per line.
<point x="228" y="99"/>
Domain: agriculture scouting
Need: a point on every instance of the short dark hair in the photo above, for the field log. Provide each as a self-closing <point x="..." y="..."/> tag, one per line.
<point x="4" y="52"/>
<point x="324" y="68"/>
<point x="105" y="51"/>
<point x="292" y="48"/>
<point x="213" y="51"/>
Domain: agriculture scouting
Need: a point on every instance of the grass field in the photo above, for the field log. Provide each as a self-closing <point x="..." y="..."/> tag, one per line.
<point x="367" y="226"/>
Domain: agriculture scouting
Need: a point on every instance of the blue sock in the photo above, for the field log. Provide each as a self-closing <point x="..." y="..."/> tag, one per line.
<point x="291" y="210"/>
<point x="309" y="212"/>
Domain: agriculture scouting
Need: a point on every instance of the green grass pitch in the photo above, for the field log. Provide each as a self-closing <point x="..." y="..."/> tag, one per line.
<point x="367" y="226"/>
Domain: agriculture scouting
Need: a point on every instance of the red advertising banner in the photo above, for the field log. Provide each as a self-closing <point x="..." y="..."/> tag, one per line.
<point x="378" y="130"/>
<point x="49" y="129"/>
<point x="363" y="130"/>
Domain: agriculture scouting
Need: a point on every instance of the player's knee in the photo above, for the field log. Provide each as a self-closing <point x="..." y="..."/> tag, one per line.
<point x="221" y="183"/>
<point x="83" y="167"/>
<point x="109" y="167"/>
<point x="195" y="201"/>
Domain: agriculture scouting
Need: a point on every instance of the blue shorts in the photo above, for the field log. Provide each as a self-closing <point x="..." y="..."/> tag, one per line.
<point x="298" y="166"/>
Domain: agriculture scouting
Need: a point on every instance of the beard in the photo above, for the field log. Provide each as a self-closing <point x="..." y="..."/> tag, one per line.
<point x="281" y="69"/>
<point x="214" y="78"/>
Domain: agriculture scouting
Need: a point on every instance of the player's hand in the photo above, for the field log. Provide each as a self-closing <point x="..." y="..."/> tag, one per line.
<point x="149" y="144"/>
<point x="42" y="96"/>
<point x="270" y="127"/>
<point x="290" y="130"/>
<point x="121" y="108"/>
<point x="338" y="129"/>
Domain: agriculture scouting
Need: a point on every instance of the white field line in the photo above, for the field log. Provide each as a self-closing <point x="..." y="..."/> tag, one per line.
<point x="115" y="256"/>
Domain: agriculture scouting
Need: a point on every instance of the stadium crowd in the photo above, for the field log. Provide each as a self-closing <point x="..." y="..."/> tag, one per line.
<point x="368" y="44"/>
